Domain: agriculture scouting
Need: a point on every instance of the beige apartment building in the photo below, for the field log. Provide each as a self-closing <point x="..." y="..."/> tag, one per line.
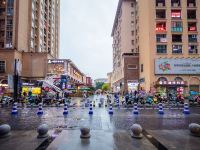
<point x="168" y="34"/>
<point x="169" y="45"/>
<point x="29" y="33"/>
<point x="125" y="47"/>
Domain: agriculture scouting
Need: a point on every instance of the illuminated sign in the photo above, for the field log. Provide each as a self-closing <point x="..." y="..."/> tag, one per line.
<point x="176" y="14"/>
<point x="55" y="61"/>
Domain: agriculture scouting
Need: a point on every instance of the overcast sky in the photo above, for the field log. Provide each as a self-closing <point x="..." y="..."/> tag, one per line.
<point x="86" y="27"/>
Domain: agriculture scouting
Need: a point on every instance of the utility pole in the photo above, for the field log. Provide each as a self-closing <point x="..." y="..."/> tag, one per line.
<point x="15" y="78"/>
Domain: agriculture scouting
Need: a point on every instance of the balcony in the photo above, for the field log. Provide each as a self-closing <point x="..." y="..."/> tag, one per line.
<point x="192" y="38"/>
<point x="176" y="49"/>
<point x="177" y="27"/>
<point x="161" y="26"/>
<point x="192" y="26"/>
<point x="175" y="3"/>
<point x="176" y="38"/>
<point x="160" y="3"/>
<point x="191" y="14"/>
<point x="160" y="14"/>
<point x="192" y="49"/>
<point x="191" y="3"/>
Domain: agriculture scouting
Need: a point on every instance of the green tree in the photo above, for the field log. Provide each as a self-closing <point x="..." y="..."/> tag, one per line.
<point x="105" y="87"/>
<point x="99" y="85"/>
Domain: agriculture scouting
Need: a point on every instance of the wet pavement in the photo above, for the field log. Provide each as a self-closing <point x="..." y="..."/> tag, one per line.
<point x="123" y="118"/>
<point x="101" y="123"/>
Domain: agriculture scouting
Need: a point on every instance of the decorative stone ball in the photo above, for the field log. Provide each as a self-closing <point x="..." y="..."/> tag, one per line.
<point x="136" y="131"/>
<point x="43" y="131"/>
<point x="4" y="130"/>
<point x="194" y="129"/>
<point x="85" y="132"/>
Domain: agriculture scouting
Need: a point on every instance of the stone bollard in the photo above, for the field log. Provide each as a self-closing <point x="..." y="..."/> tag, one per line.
<point x="85" y="133"/>
<point x="90" y="109"/>
<point x="40" y="109"/>
<point x="136" y="131"/>
<point x="194" y="129"/>
<point x="43" y="131"/>
<point x="110" y="110"/>
<point x="14" y="109"/>
<point x="65" y="112"/>
<point x="186" y="109"/>
<point x="5" y="130"/>
<point x="160" y="109"/>
<point x="135" y="109"/>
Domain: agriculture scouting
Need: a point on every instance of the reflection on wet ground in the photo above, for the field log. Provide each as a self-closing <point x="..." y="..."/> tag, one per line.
<point x="27" y="118"/>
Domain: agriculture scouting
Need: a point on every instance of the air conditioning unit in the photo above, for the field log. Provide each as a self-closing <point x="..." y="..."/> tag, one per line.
<point x="163" y="40"/>
<point x="175" y="4"/>
<point x="160" y="4"/>
<point x="191" y="5"/>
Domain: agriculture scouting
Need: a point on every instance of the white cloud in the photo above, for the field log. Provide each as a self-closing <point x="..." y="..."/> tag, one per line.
<point x="86" y="27"/>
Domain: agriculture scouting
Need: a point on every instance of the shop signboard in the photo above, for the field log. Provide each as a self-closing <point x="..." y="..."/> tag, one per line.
<point x="177" y="66"/>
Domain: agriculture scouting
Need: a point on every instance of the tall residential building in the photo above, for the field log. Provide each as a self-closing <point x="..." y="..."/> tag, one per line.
<point x="125" y="47"/>
<point x="29" y="33"/>
<point x="168" y="40"/>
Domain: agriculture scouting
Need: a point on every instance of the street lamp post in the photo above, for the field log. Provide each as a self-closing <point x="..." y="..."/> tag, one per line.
<point x="15" y="78"/>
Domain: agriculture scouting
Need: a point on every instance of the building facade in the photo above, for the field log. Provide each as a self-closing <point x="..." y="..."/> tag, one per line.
<point x="29" y="33"/>
<point x="168" y="34"/>
<point x="169" y="45"/>
<point x="125" y="47"/>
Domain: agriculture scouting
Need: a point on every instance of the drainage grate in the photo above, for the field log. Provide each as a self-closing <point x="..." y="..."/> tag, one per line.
<point x="49" y="140"/>
<point x="154" y="141"/>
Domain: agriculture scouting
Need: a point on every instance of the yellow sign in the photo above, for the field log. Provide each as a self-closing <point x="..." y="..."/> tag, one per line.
<point x="34" y="90"/>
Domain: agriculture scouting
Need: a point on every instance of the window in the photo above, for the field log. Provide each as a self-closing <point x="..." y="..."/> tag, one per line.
<point x="191" y="14"/>
<point x="162" y="49"/>
<point x="132" y="23"/>
<point x="193" y="49"/>
<point x="160" y="3"/>
<point x="132" y="13"/>
<point x="132" y="42"/>
<point x="132" y="33"/>
<point x="177" y="27"/>
<point x="177" y="49"/>
<point x="132" y="66"/>
<point x="132" y="4"/>
<point x="176" y="14"/>
<point x="161" y="38"/>
<point x="176" y="3"/>
<point x="191" y="3"/>
<point x="192" y="26"/>
<point x="161" y="26"/>
<point x="142" y="67"/>
<point x="176" y="38"/>
<point x="2" y="66"/>
<point x="160" y="14"/>
<point x="192" y="38"/>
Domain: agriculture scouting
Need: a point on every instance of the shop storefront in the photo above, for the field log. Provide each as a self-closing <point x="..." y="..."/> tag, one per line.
<point x="166" y="88"/>
<point x="29" y="87"/>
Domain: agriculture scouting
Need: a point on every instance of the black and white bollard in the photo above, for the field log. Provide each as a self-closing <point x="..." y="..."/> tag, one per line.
<point x="65" y="112"/>
<point x="117" y="102"/>
<point x="110" y="109"/>
<point x="135" y="109"/>
<point x="160" y="109"/>
<point x="90" y="109"/>
<point x="40" y="109"/>
<point x="186" y="109"/>
<point x="14" y="109"/>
